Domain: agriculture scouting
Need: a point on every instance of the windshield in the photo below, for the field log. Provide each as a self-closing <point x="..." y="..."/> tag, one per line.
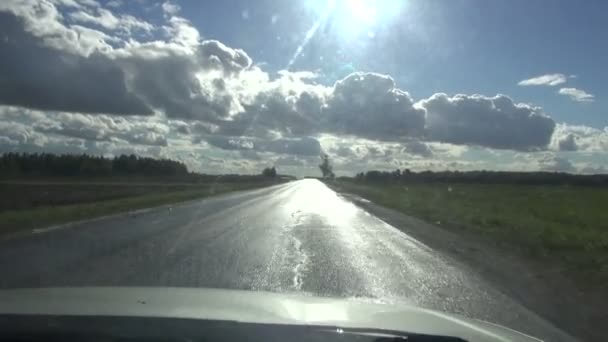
<point x="444" y="155"/>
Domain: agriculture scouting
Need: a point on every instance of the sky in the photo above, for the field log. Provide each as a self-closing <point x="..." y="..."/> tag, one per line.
<point x="235" y="86"/>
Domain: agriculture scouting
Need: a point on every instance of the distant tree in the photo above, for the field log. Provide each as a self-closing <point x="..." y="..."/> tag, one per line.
<point x="270" y="172"/>
<point x="396" y="175"/>
<point x="325" y="166"/>
<point x="67" y="165"/>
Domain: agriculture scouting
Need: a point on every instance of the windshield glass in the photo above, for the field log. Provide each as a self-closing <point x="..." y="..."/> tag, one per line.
<point x="445" y="155"/>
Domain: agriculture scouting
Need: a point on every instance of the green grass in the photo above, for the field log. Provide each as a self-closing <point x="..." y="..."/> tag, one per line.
<point x="563" y="222"/>
<point x="15" y="220"/>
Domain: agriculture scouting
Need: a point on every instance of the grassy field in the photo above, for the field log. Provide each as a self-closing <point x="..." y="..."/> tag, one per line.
<point x="563" y="222"/>
<point x="34" y="205"/>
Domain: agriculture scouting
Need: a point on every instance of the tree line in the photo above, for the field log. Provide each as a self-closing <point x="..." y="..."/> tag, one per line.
<point x="66" y="165"/>
<point x="483" y="177"/>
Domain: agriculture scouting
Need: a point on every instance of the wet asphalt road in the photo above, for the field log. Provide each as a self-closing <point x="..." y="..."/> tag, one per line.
<point x="295" y="237"/>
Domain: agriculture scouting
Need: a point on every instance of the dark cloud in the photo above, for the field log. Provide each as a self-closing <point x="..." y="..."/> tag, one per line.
<point x="369" y="105"/>
<point x="215" y="55"/>
<point x="180" y="127"/>
<point x="568" y="143"/>
<point x="170" y="83"/>
<point x="273" y="110"/>
<point x="37" y="76"/>
<point x="495" y="122"/>
<point x="206" y="91"/>
<point x="417" y="148"/>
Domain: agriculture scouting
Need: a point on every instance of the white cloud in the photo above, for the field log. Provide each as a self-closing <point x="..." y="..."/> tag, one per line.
<point x="13" y="133"/>
<point x="554" y="163"/>
<point x="577" y="95"/>
<point x="568" y="143"/>
<point x="579" y="138"/>
<point x="208" y="81"/>
<point x="114" y="3"/>
<point x="370" y="105"/>
<point x="201" y="96"/>
<point x="544" y="80"/>
<point x="94" y="127"/>
<point x="106" y="19"/>
<point x="182" y="32"/>
<point x="170" y="8"/>
<point x="42" y="20"/>
<point x="90" y="3"/>
<point x="75" y="3"/>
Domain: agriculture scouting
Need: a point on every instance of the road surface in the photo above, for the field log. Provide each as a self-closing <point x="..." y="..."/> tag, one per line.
<point x="295" y="237"/>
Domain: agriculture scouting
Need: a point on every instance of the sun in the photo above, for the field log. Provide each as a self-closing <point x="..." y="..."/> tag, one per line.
<point x="350" y="18"/>
<point x="360" y="11"/>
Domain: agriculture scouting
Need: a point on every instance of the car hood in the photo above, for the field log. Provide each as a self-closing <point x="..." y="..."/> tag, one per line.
<point x="248" y="306"/>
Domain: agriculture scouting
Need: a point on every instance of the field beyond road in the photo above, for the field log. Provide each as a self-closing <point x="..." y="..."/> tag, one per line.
<point x="566" y="224"/>
<point x="30" y="205"/>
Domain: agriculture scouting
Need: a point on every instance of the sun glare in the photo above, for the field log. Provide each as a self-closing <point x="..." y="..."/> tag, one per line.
<point x="362" y="11"/>
<point x="350" y="18"/>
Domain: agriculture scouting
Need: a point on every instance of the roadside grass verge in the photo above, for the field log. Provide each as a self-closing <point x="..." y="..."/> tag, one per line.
<point x="15" y="220"/>
<point x="568" y="224"/>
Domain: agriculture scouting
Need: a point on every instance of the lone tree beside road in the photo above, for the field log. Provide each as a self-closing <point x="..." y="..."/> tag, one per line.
<point x="326" y="167"/>
<point x="270" y="172"/>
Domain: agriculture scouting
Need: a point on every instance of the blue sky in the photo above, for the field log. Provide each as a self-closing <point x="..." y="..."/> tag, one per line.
<point x="238" y="85"/>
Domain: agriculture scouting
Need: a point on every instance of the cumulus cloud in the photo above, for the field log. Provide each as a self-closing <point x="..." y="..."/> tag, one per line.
<point x="76" y="62"/>
<point x="418" y="148"/>
<point x="207" y="81"/>
<point x="579" y="138"/>
<point x="170" y="84"/>
<point x="554" y="163"/>
<point x="568" y="143"/>
<point x="37" y="76"/>
<point x="106" y="19"/>
<point x="544" y="80"/>
<point x="40" y="23"/>
<point x="170" y="8"/>
<point x="104" y="128"/>
<point x="114" y="3"/>
<point x="180" y="126"/>
<point x="287" y="105"/>
<point x="495" y="122"/>
<point x="369" y="105"/>
<point x="16" y="134"/>
<point x="577" y="95"/>
<point x="215" y="55"/>
<point x="48" y="65"/>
